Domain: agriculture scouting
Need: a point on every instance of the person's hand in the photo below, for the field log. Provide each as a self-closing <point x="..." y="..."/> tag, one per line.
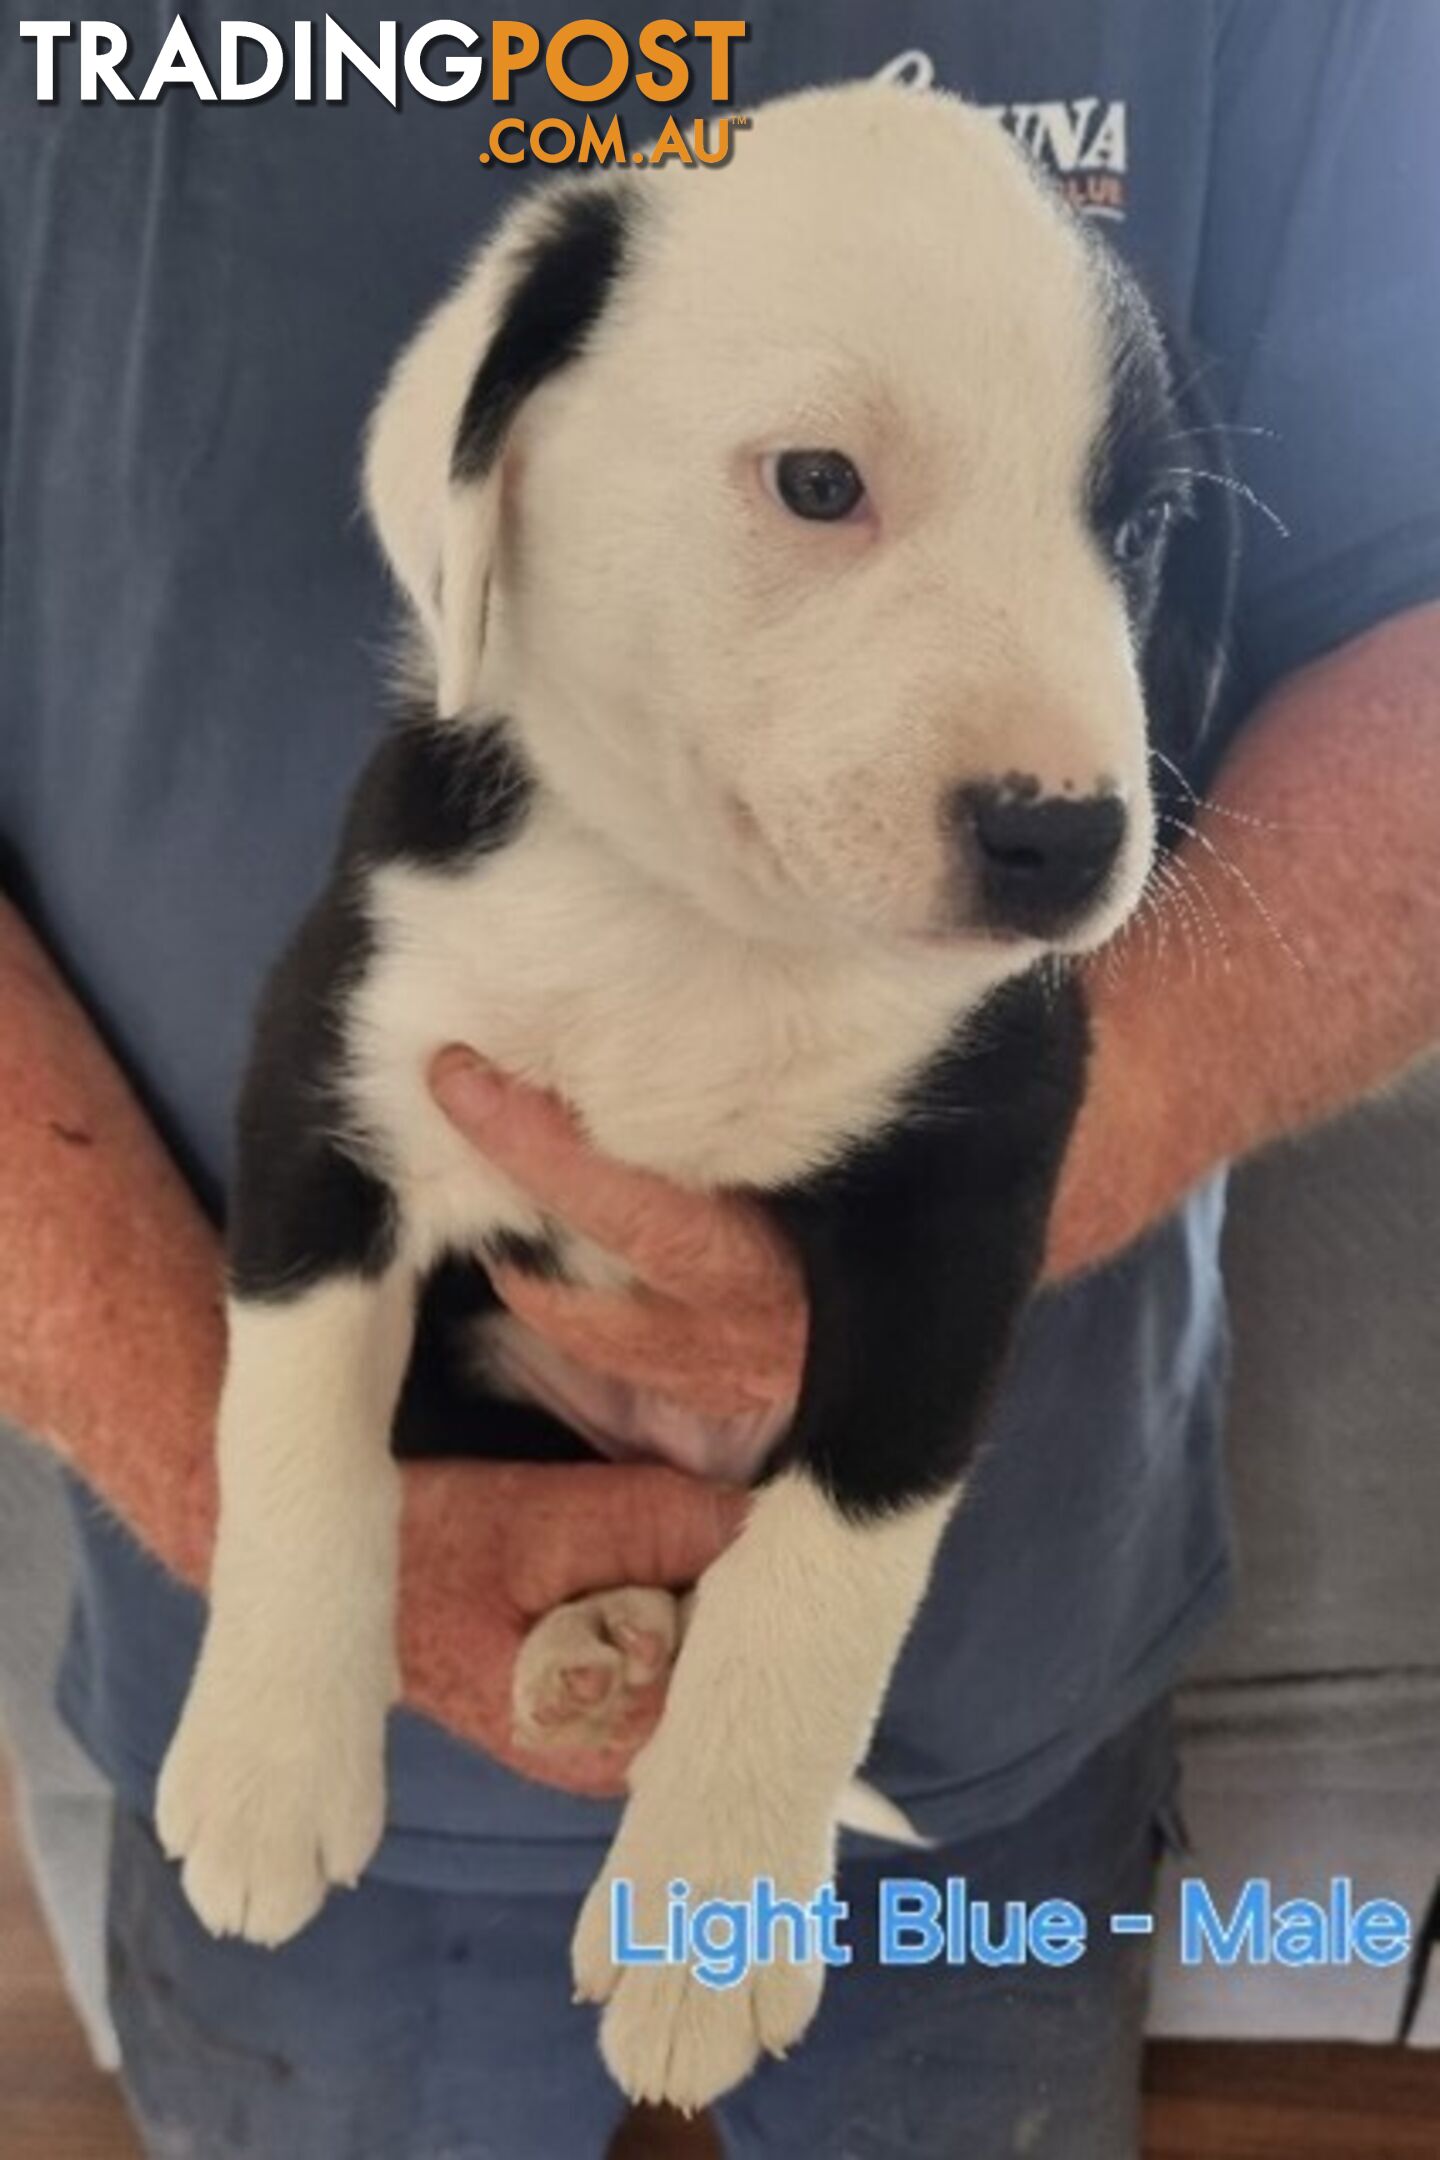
<point x="716" y="1323"/>
<point x="487" y="1548"/>
<point x="717" y="1318"/>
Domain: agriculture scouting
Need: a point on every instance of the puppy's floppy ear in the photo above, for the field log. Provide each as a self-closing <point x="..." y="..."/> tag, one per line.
<point x="436" y="444"/>
<point x="1186" y="651"/>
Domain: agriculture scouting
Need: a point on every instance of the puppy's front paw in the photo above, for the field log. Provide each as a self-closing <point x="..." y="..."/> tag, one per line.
<point x="585" y="1671"/>
<point x="666" y="2039"/>
<point x="270" y="1797"/>
<point x="666" y="2036"/>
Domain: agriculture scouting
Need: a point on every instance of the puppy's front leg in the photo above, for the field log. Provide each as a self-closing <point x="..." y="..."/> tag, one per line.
<point x="771" y="1706"/>
<point x="274" y="1785"/>
<point x="918" y="1254"/>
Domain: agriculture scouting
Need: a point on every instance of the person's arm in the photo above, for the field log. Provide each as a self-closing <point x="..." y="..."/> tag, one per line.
<point x="111" y="1332"/>
<point x="112" y="1349"/>
<point x="1300" y="970"/>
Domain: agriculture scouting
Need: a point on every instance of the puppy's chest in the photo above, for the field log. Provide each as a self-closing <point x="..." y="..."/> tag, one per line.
<point x="685" y="1050"/>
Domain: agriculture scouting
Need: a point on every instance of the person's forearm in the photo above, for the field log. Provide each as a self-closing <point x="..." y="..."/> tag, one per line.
<point x="1299" y="967"/>
<point x="111" y="1333"/>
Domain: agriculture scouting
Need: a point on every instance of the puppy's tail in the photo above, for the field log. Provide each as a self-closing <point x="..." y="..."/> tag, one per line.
<point x="869" y="1812"/>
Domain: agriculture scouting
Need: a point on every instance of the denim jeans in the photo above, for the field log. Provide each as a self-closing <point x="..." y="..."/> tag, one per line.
<point x="408" y="2024"/>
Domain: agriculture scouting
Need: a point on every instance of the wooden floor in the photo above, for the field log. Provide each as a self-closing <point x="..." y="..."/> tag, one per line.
<point x="1202" y="2103"/>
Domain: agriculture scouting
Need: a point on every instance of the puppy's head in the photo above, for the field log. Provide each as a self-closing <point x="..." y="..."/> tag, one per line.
<point x="809" y="518"/>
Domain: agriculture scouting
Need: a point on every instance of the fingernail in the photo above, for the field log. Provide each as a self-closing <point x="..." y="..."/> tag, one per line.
<point x="466" y="1086"/>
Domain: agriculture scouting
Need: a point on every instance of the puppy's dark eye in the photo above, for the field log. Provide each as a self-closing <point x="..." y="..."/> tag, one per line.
<point x="1138" y="536"/>
<point x="819" y="484"/>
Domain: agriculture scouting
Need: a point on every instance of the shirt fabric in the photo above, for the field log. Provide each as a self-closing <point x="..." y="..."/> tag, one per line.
<point x="200" y="302"/>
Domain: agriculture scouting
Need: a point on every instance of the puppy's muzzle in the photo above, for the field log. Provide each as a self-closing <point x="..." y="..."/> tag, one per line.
<point x="1035" y="865"/>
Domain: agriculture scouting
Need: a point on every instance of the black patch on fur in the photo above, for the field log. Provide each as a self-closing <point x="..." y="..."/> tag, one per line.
<point x="303" y="1205"/>
<point x="442" y="1412"/>
<point x="565" y="278"/>
<point x="920" y="1251"/>
<point x="1161" y="420"/>
<point x="305" y="1202"/>
<point x="1133" y="454"/>
<point x="437" y="794"/>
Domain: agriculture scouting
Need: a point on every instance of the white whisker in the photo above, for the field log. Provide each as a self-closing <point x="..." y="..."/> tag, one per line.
<point x="1241" y="488"/>
<point x="1234" y="871"/>
<point x="1215" y="809"/>
<point x="1189" y="928"/>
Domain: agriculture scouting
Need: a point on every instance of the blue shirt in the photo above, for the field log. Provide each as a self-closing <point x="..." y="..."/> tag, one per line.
<point x="199" y="302"/>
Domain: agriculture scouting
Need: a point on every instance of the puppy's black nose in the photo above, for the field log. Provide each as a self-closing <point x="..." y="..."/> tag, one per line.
<point x="1041" y="860"/>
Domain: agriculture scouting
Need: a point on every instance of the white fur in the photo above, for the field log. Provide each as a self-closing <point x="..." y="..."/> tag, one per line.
<point x="726" y="932"/>
<point x="274" y="1787"/>
<point x="771" y="1706"/>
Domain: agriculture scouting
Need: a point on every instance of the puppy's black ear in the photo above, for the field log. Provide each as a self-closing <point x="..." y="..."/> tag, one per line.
<point x="523" y="311"/>
<point x="1187" y="648"/>
<point x="558" y="285"/>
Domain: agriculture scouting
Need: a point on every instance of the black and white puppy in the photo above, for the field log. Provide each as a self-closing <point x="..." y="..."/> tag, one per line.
<point x="787" y="544"/>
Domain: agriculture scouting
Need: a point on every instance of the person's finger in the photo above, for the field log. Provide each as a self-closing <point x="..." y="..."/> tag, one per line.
<point x="591" y="1526"/>
<point x="489" y="1547"/>
<point x="695" y="1246"/>
<point x="654" y="1343"/>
